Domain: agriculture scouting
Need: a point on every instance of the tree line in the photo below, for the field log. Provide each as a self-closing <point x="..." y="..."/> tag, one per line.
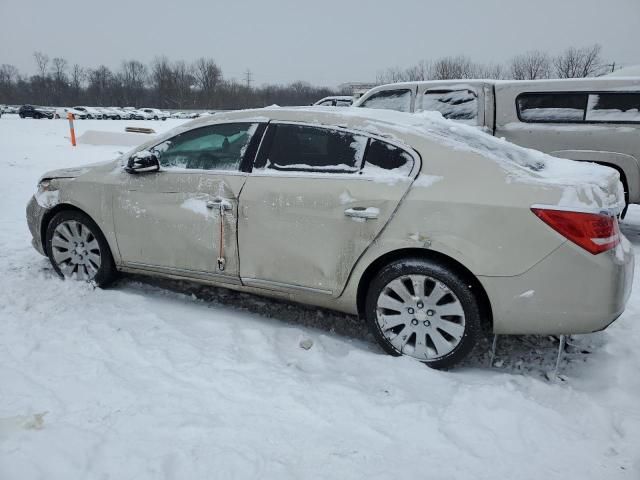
<point x="201" y="85"/>
<point x="573" y="62"/>
<point x="162" y="84"/>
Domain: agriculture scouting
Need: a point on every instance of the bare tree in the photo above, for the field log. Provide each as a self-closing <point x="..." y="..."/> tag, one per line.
<point x="532" y="65"/>
<point x="207" y="76"/>
<point x="8" y="74"/>
<point x="8" y="78"/>
<point x="488" y="70"/>
<point x="578" y="62"/>
<point x="42" y="62"/>
<point x="59" y="69"/>
<point x="132" y="77"/>
<point x="161" y="78"/>
<point x="452" y="68"/>
<point x="100" y="83"/>
<point x="78" y="76"/>
<point x="183" y="82"/>
<point x="391" y="75"/>
<point x="418" y="72"/>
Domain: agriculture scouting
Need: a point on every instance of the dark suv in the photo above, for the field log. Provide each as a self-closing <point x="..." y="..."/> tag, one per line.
<point x="34" y="112"/>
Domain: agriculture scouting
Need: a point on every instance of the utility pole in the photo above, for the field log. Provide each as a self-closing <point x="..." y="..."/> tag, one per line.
<point x="248" y="77"/>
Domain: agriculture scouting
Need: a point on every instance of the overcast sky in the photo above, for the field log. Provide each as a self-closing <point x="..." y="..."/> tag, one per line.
<point x="325" y="42"/>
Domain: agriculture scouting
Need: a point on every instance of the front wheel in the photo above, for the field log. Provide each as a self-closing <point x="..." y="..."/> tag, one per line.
<point x="422" y="309"/>
<point x="78" y="250"/>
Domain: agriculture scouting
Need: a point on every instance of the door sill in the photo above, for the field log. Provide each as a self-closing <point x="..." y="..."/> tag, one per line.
<point x="134" y="267"/>
<point x="271" y="285"/>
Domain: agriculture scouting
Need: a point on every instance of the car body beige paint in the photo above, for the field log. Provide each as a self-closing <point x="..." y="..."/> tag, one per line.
<point x="287" y="235"/>
<point x="615" y="144"/>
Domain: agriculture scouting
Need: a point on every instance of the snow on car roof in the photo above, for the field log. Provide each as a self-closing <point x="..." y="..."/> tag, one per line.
<point x="520" y="164"/>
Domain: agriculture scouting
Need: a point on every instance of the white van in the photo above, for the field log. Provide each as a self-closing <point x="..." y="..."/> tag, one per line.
<point x="588" y="119"/>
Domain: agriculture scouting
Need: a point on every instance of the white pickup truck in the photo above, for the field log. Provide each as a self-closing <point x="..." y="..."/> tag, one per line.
<point x="590" y="119"/>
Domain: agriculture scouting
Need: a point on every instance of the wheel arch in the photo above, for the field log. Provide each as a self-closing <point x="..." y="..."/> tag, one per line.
<point x="445" y="260"/>
<point x="46" y="218"/>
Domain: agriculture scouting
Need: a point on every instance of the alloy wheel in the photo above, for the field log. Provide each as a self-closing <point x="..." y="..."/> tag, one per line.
<point x="420" y="316"/>
<point x="76" y="251"/>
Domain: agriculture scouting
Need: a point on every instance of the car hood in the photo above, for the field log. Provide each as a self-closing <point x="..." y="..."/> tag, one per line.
<point x="73" y="172"/>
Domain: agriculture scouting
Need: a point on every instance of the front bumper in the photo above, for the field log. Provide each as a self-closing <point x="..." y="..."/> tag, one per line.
<point x="568" y="292"/>
<point x="35" y="215"/>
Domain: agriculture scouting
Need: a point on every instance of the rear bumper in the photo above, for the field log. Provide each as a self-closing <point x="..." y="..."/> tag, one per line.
<point x="568" y="292"/>
<point x="35" y="214"/>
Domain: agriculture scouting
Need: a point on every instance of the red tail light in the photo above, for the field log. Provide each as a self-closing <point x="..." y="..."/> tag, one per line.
<point x="594" y="232"/>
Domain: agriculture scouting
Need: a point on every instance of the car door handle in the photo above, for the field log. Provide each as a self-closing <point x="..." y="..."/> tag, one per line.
<point x="367" y="213"/>
<point x="219" y="203"/>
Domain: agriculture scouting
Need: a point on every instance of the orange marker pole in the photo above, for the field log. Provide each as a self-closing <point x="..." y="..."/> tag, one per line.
<point x="73" y="132"/>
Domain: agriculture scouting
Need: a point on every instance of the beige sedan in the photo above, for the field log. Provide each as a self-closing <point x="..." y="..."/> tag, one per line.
<point x="431" y="232"/>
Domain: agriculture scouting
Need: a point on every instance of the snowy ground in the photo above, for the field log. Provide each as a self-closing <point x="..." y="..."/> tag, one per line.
<point x="152" y="380"/>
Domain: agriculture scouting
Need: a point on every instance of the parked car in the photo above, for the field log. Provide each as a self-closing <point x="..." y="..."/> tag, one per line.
<point x="122" y="113"/>
<point x="378" y="214"/>
<point x="184" y="115"/>
<point x="137" y="114"/>
<point x="591" y="119"/>
<point x="155" y="114"/>
<point x="91" y="112"/>
<point x="77" y="114"/>
<point x="8" y="109"/>
<point x="30" y="111"/>
<point x="108" y="113"/>
<point x="335" y="101"/>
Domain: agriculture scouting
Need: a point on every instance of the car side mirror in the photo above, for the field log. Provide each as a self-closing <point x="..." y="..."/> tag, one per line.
<point x="142" y="162"/>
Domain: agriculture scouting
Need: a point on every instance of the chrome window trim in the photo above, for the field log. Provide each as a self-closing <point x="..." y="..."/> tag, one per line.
<point x="417" y="160"/>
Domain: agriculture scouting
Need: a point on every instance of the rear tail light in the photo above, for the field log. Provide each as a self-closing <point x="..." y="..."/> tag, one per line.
<point x="594" y="232"/>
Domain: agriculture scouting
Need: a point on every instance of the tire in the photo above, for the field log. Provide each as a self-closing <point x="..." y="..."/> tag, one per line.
<point x="21" y="115"/>
<point x="69" y="229"/>
<point x="418" y="328"/>
<point x="155" y="118"/>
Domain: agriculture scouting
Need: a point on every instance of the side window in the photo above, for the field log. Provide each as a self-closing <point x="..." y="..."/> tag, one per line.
<point x="552" y="107"/>
<point x="313" y="149"/>
<point x="613" y="107"/>
<point x="343" y="103"/>
<point x="384" y="158"/>
<point x="326" y="103"/>
<point x="452" y="104"/>
<point x="215" y="147"/>
<point x="399" y="100"/>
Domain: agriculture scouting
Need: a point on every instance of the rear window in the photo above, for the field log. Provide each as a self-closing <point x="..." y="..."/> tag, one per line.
<point x="383" y="157"/>
<point x="399" y="100"/>
<point x="552" y="107"/>
<point x="614" y="107"/>
<point x="452" y="104"/>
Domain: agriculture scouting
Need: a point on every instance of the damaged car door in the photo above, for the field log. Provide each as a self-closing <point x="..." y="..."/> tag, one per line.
<point x="181" y="219"/>
<point x="315" y="200"/>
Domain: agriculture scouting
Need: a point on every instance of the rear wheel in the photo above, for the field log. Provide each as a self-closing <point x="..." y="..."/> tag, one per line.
<point x="78" y="250"/>
<point x="422" y="309"/>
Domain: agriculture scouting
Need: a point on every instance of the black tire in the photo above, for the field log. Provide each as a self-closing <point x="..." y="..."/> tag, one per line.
<point x="107" y="272"/>
<point x="453" y="281"/>
<point x="21" y="115"/>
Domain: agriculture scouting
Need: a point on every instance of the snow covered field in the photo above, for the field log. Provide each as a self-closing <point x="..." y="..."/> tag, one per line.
<point x="154" y="379"/>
